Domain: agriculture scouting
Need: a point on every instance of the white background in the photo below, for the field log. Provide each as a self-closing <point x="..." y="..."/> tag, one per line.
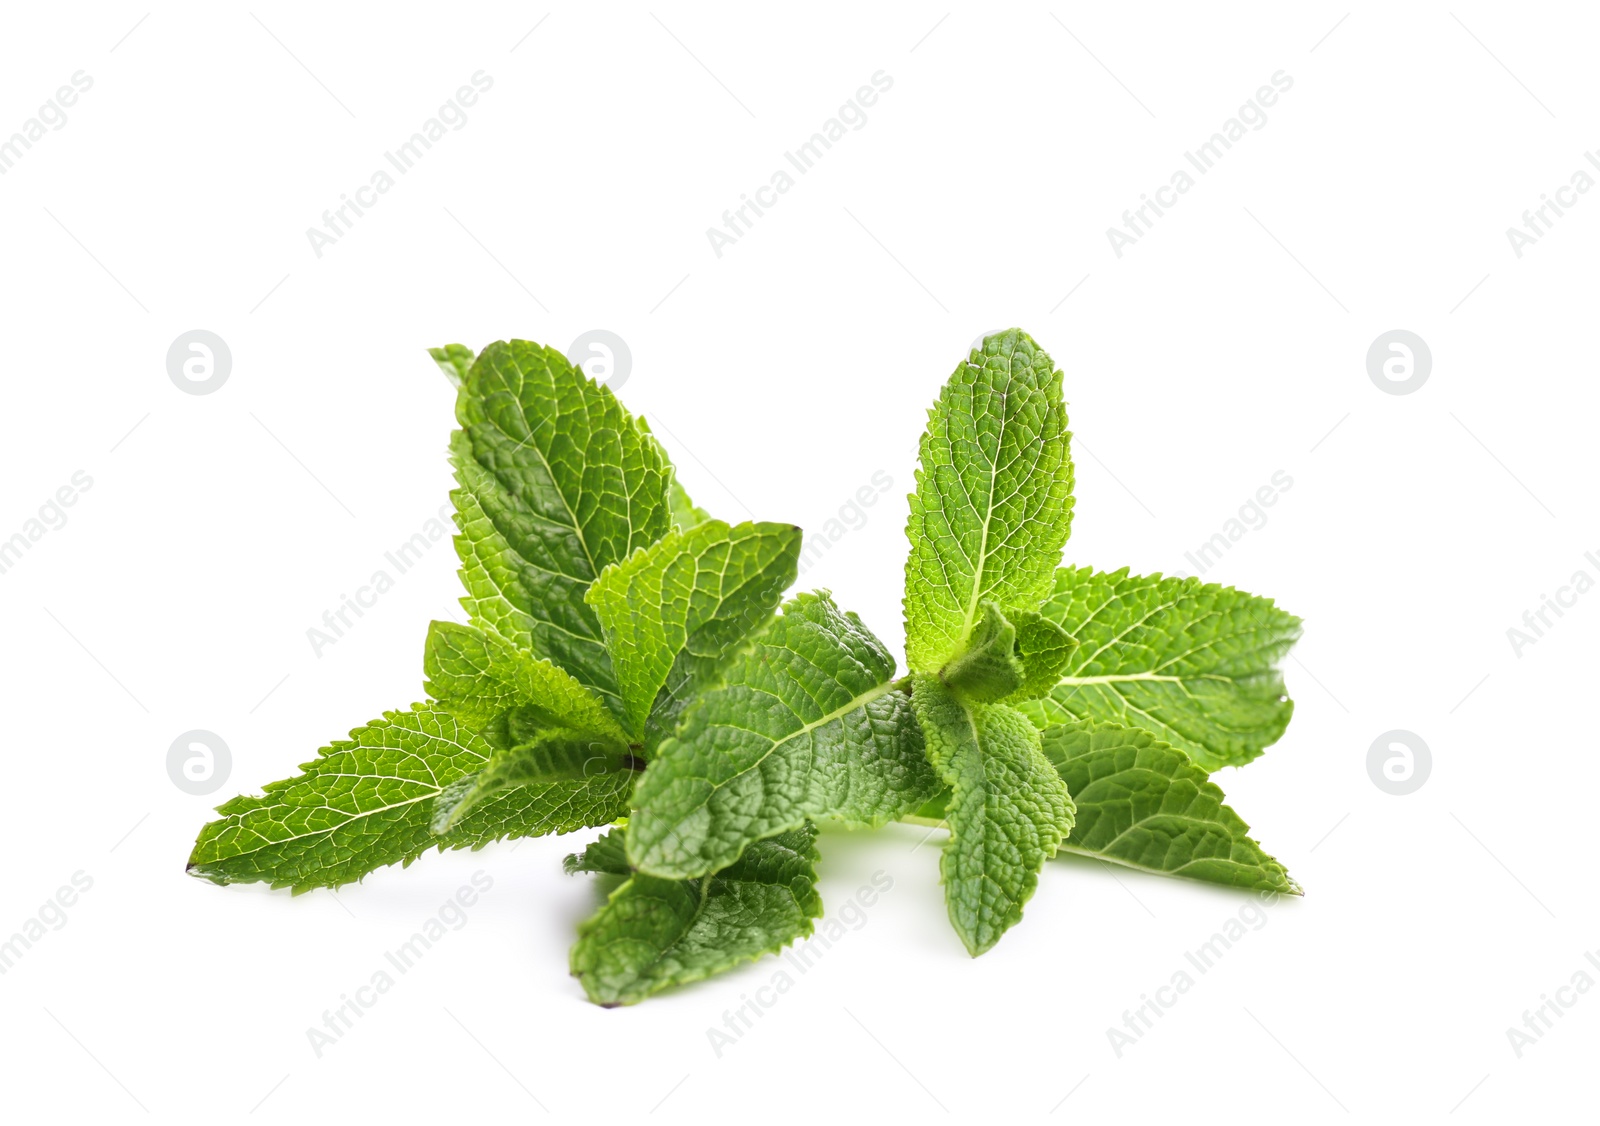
<point x="1228" y="344"/>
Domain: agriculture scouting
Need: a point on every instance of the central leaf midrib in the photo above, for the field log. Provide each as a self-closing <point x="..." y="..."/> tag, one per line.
<point x="840" y="712"/>
<point x="550" y="475"/>
<point x="988" y="513"/>
<point x="1118" y="678"/>
<point x="983" y="913"/>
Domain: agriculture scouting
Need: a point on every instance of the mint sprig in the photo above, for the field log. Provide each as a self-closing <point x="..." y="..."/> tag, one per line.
<point x="630" y="661"/>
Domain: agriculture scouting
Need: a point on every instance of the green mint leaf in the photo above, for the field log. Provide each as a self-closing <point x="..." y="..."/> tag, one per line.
<point x="1044" y="649"/>
<point x="1190" y="662"/>
<point x="607" y="856"/>
<point x="543" y="725"/>
<point x="557" y="482"/>
<point x="804" y="724"/>
<point x="1008" y="809"/>
<point x="674" y="610"/>
<point x="526" y="724"/>
<point x="498" y="596"/>
<point x="540" y="757"/>
<point x="478" y="676"/>
<point x="366" y="803"/>
<point x="685" y="513"/>
<point x="993" y="505"/>
<point x="1006" y="662"/>
<point x="935" y="808"/>
<point x="653" y="933"/>
<point x="455" y="360"/>
<point x="1145" y="804"/>
<point x="989" y="669"/>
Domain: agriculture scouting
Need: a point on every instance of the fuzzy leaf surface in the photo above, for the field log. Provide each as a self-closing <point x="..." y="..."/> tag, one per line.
<point x="1044" y="649"/>
<point x="608" y="855"/>
<point x="653" y="933"/>
<point x="672" y="613"/>
<point x="1008" y="809"/>
<point x="478" y="676"/>
<point x="366" y="802"/>
<point x="804" y="724"/>
<point x="539" y="758"/>
<point x="993" y="504"/>
<point x="988" y="669"/>
<point x="1192" y="663"/>
<point x="556" y="482"/>
<point x="1146" y="804"/>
